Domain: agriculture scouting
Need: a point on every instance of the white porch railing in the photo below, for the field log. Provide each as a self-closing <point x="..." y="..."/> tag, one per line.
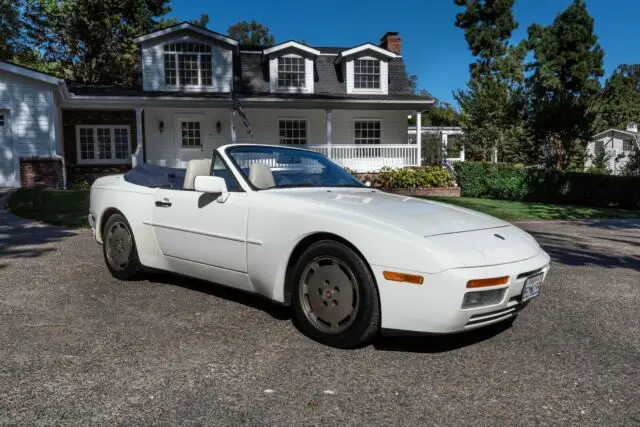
<point x="370" y="158"/>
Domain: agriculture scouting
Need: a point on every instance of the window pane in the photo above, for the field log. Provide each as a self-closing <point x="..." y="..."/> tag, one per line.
<point x="86" y="144"/>
<point x="367" y="132"/>
<point x="205" y="70"/>
<point x="170" y="71"/>
<point x="121" y="136"/>
<point x="293" y="132"/>
<point x="291" y="72"/>
<point x="190" y="134"/>
<point x="1" y="119"/>
<point x="366" y="74"/>
<point x="104" y="143"/>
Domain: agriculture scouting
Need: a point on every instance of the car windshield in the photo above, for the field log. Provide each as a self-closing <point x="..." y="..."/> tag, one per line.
<point x="282" y="167"/>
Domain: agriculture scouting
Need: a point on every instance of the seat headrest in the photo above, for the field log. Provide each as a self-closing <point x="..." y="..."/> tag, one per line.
<point x="195" y="168"/>
<point x="260" y="176"/>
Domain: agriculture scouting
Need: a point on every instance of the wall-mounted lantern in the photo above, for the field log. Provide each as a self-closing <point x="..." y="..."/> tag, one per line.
<point x="161" y="126"/>
<point x="218" y="127"/>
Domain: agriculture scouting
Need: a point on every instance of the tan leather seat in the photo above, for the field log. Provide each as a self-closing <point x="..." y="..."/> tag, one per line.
<point x="260" y="176"/>
<point x="195" y="168"/>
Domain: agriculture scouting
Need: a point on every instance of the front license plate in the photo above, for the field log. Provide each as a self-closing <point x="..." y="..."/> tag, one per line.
<point x="531" y="288"/>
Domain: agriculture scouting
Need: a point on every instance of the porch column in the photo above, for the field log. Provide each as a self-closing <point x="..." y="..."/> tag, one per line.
<point x="419" y="137"/>
<point x="136" y="155"/>
<point x="233" y="127"/>
<point x="328" y="123"/>
<point x="462" y="152"/>
<point x="445" y="144"/>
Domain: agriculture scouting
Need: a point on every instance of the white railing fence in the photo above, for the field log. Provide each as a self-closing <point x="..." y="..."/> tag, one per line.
<point x="370" y="158"/>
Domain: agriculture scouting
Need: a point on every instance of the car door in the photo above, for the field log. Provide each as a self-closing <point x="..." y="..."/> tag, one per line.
<point x="201" y="236"/>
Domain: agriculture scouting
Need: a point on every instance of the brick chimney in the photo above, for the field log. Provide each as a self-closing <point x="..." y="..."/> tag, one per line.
<point x="392" y="41"/>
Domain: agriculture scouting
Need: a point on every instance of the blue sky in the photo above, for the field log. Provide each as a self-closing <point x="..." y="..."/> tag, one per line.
<point x="433" y="48"/>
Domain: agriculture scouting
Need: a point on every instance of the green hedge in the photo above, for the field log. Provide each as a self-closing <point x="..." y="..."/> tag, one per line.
<point x="505" y="182"/>
<point x="421" y="177"/>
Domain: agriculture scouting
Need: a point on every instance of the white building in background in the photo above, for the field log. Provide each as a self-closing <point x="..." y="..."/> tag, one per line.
<point x="439" y="142"/>
<point x="620" y="144"/>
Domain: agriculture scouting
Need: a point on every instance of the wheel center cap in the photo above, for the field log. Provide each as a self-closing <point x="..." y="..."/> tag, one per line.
<point x="328" y="295"/>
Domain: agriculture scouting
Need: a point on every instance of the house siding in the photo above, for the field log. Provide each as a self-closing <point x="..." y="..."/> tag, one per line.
<point x="152" y="55"/>
<point x="31" y="114"/>
<point x="613" y="145"/>
<point x="30" y="125"/>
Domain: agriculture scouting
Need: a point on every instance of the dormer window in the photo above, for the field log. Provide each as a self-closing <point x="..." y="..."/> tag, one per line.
<point x="187" y="64"/>
<point x="291" y="72"/>
<point x="290" y="67"/>
<point x="366" y="74"/>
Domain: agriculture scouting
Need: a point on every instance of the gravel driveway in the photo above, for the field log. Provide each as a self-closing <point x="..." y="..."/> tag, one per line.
<point x="79" y="347"/>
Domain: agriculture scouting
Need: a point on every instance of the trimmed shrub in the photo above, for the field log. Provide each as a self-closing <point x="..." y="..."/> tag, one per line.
<point x="427" y="177"/>
<point x="502" y="181"/>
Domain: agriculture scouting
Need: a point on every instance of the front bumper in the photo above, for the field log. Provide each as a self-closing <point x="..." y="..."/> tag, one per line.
<point x="436" y="305"/>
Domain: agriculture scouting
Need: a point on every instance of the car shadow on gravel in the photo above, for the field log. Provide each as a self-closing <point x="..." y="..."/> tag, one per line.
<point x="255" y="301"/>
<point x="441" y="343"/>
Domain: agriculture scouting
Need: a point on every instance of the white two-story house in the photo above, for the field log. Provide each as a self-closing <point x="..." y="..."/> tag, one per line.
<point x="350" y="103"/>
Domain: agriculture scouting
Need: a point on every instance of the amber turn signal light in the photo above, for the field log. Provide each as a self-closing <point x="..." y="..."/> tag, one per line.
<point x="403" y="277"/>
<point x="481" y="283"/>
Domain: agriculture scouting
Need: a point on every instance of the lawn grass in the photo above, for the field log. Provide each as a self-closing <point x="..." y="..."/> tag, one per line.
<point x="58" y="207"/>
<point x="529" y="211"/>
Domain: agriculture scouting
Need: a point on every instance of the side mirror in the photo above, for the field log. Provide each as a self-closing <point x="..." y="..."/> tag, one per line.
<point x="212" y="184"/>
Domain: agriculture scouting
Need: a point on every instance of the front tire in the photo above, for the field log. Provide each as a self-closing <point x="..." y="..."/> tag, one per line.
<point x="119" y="249"/>
<point x="335" y="297"/>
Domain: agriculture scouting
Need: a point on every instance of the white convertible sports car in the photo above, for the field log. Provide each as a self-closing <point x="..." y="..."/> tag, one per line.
<point x="291" y="225"/>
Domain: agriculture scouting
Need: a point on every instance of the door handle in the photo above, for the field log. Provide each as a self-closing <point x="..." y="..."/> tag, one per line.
<point x="161" y="204"/>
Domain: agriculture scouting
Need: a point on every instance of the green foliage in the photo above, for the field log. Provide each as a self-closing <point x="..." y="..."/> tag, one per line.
<point x="59" y="207"/>
<point x="501" y="181"/>
<point x="493" y="101"/>
<point x="93" y="39"/>
<point x="632" y="167"/>
<point x="620" y="100"/>
<point x="564" y="85"/>
<point x="487" y="29"/>
<point x="251" y="33"/>
<point x="428" y="177"/>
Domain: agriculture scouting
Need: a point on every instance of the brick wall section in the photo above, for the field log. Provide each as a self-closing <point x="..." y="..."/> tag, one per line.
<point x="71" y="118"/>
<point x="36" y="172"/>
<point x="89" y="172"/>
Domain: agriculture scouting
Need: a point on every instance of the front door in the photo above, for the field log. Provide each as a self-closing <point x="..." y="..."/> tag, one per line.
<point x="7" y="159"/>
<point x="202" y="237"/>
<point x="191" y="135"/>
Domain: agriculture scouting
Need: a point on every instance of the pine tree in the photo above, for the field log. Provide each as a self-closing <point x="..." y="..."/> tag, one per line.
<point x="492" y="102"/>
<point x="564" y="84"/>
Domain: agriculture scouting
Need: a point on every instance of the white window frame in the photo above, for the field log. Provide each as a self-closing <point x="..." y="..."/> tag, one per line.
<point x="308" y="73"/>
<point x="297" y="119"/>
<point x="350" y="77"/>
<point x="113" y="161"/>
<point x="189" y="120"/>
<point x="379" y="62"/>
<point x="304" y="72"/>
<point x="176" y="54"/>
<point x="353" y="131"/>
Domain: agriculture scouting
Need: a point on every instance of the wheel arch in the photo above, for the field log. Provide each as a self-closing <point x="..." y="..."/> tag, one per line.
<point x="302" y="245"/>
<point x="102" y="220"/>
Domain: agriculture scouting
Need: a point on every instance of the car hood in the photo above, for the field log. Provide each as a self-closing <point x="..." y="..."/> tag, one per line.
<point x="423" y="217"/>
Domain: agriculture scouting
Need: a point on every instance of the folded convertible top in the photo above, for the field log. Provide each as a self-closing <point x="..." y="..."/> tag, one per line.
<point x="149" y="175"/>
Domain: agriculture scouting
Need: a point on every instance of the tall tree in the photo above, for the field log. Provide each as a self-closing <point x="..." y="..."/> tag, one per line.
<point x="10" y="27"/>
<point x="620" y="100"/>
<point x="492" y="103"/>
<point x="564" y="84"/>
<point x="251" y="33"/>
<point x="93" y="39"/>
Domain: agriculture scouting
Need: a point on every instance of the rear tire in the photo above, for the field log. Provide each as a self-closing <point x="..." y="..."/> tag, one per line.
<point x="335" y="299"/>
<point x="119" y="248"/>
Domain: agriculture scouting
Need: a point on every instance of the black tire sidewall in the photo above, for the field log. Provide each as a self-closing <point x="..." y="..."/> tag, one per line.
<point x="134" y="266"/>
<point x="367" y="321"/>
